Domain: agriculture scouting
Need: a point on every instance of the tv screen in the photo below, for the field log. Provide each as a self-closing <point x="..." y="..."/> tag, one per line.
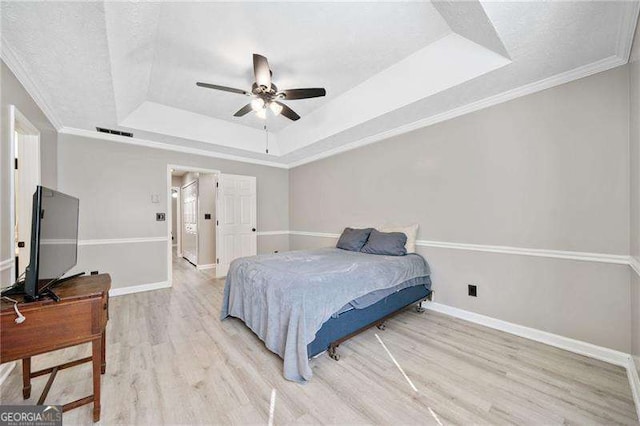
<point x="54" y="238"/>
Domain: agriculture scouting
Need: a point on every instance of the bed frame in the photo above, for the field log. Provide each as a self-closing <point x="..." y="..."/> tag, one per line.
<point x="353" y="322"/>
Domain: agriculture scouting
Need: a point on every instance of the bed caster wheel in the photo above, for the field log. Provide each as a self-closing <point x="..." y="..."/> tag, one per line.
<point x="419" y="308"/>
<point x="382" y="326"/>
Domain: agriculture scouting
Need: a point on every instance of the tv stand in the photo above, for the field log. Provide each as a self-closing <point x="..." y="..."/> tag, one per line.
<point x="18" y="289"/>
<point x="80" y="317"/>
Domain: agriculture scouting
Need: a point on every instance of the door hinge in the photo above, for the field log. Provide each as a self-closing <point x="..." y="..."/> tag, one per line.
<point x="218" y="261"/>
<point x="16" y="164"/>
<point x="217" y="222"/>
<point x="216" y="184"/>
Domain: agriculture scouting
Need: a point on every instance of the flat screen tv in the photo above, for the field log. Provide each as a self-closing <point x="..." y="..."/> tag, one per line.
<point x="54" y="241"/>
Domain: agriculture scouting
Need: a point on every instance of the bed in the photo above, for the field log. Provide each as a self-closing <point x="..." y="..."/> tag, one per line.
<point x="302" y="303"/>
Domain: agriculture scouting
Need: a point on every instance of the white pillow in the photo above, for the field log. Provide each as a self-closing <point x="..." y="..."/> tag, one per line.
<point x="411" y="231"/>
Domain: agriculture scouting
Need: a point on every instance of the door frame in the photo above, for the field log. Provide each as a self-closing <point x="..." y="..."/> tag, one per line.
<point x="20" y="123"/>
<point x="195" y="182"/>
<point x="170" y="168"/>
<point x="178" y="235"/>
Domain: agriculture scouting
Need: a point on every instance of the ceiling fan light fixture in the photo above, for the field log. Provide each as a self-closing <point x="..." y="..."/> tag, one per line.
<point x="262" y="113"/>
<point x="257" y="104"/>
<point x="275" y="108"/>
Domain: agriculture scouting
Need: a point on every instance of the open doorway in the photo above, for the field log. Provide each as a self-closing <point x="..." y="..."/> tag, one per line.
<point x="212" y="220"/>
<point x="25" y="162"/>
<point x="192" y="218"/>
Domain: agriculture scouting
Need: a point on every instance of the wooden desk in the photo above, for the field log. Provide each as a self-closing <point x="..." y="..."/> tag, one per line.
<point x="80" y="317"/>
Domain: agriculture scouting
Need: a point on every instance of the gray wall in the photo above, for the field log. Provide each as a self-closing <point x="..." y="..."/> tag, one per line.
<point x="549" y="171"/>
<point x="634" y="150"/>
<point x="114" y="183"/>
<point x="13" y="93"/>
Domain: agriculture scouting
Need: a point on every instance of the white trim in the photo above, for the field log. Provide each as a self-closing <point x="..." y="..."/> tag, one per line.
<point x="208" y="266"/>
<point x="266" y="233"/>
<point x="583" y="348"/>
<point x="634" y="262"/>
<point x="121" y="241"/>
<point x="5" y="370"/>
<point x="627" y="31"/>
<point x="547" y="83"/>
<point x="521" y="251"/>
<point x="139" y="288"/>
<point x="634" y="382"/>
<point x="167" y="146"/>
<point x="16" y="66"/>
<point x="314" y="234"/>
<point x="6" y="264"/>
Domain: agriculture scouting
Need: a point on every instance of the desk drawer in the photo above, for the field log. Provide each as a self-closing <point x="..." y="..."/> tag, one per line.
<point x="47" y="328"/>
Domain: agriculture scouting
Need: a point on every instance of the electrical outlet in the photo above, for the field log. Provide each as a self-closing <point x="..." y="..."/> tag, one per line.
<point x="207" y="216"/>
<point x="473" y="290"/>
<point x="275" y="251"/>
<point x="160" y="217"/>
<point x="94" y="272"/>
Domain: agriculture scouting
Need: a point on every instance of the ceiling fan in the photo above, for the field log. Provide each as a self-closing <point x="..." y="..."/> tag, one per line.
<point x="265" y="94"/>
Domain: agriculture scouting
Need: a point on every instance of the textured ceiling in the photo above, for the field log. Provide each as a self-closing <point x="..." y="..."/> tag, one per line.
<point x="133" y="65"/>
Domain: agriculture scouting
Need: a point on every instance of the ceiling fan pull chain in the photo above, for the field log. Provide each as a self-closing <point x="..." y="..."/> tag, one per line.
<point x="266" y="132"/>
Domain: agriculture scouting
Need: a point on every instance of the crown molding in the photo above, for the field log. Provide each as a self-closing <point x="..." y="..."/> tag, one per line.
<point x="627" y="32"/>
<point x="16" y="66"/>
<point x="166" y="146"/>
<point x="547" y="83"/>
<point x="520" y="251"/>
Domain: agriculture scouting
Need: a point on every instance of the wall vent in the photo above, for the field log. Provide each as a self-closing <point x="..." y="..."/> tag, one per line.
<point x="114" y="132"/>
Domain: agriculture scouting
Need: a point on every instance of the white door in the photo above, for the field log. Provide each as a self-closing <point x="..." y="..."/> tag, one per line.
<point x="190" y="222"/>
<point x="236" y="220"/>
<point x="27" y="177"/>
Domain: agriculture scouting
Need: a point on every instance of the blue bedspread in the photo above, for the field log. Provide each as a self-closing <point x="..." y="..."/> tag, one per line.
<point x="285" y="298"/>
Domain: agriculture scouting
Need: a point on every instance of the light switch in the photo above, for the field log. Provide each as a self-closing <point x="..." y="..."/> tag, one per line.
<point x="155" y="198"/>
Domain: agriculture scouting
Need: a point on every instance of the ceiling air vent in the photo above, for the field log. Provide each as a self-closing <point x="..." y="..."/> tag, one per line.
<point x="114" y="132"/>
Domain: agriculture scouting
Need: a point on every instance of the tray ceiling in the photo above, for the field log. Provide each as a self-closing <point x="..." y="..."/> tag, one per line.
<point x="387" y="67"/>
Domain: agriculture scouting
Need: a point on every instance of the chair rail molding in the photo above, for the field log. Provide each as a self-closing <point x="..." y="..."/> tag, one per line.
<point x="105" y="241"/>
<point x="521" y="251"/>
<point x="6" y="264"/>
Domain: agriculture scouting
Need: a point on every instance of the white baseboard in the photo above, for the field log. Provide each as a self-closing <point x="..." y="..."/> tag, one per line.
<point x="634" y="381"/>
<point x="139" y="288"/>
<point x="583" y="348"/>
<point x="572" y="345"/>
<point x="209" y="266"/>
<point x="5" y="370"/>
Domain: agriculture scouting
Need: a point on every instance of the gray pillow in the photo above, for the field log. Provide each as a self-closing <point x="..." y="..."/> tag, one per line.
<point x="387" y="243"/>
<point x="353" y="239"/>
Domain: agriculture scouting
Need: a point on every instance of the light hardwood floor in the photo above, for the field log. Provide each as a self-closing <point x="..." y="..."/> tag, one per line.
<point x="170" y="360"/>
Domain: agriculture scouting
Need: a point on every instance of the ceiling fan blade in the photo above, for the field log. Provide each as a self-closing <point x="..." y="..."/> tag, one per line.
<point x="223" y="88"/>
<point x="261" y="70"/>
<point x="288" y="112"/>
<point x="243" y="111"/>
<point x="292" y="94"/>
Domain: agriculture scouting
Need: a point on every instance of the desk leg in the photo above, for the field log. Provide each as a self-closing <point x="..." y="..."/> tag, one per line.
<point x="96" y="347"/>
<point x="26" y="378"/>
<point x="104" y="352"/>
